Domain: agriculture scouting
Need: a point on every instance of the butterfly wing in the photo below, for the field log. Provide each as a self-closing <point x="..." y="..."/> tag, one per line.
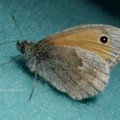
<point x="79" y="73"/>
<point x="89" y="37"/>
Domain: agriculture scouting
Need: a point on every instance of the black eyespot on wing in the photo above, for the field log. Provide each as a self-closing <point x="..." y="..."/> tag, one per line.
<point x="104" y="39"/>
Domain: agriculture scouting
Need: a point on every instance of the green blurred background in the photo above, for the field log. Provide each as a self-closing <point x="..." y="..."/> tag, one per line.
<point x="36" y="20"/>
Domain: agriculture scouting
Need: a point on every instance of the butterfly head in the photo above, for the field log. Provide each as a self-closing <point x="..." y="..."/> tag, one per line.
<point x="24" y="47"/>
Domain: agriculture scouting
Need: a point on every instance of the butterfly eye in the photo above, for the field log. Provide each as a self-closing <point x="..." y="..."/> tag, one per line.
<point x="104" y="39"/>
<point x="22" y="46"/>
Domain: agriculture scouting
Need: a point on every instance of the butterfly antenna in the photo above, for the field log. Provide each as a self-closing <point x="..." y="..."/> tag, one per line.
<point x="14" y="41"/>
<point x="12" y="61"/>
<point x="7" y="42"/>
<point x="13" y="17"/>
<point x="33" y="87"/>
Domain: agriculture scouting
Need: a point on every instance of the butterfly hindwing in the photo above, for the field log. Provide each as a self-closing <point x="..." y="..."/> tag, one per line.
<point x="79" y="73"/>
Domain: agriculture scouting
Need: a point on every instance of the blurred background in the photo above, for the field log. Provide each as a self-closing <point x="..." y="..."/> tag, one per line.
<point x="36" y="20"/>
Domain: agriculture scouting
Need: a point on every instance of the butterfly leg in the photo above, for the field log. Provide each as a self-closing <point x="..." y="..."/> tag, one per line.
<point x="33" y="85"/>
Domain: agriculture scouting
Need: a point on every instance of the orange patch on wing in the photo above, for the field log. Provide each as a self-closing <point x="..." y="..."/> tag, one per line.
<point x="83" y="38"/>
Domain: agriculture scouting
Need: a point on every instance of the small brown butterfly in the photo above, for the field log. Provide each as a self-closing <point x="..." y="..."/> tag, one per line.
<point x="77" y="61"/>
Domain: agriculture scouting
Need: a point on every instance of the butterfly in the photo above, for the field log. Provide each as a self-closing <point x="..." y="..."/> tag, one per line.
<point x="76" y="61"/>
